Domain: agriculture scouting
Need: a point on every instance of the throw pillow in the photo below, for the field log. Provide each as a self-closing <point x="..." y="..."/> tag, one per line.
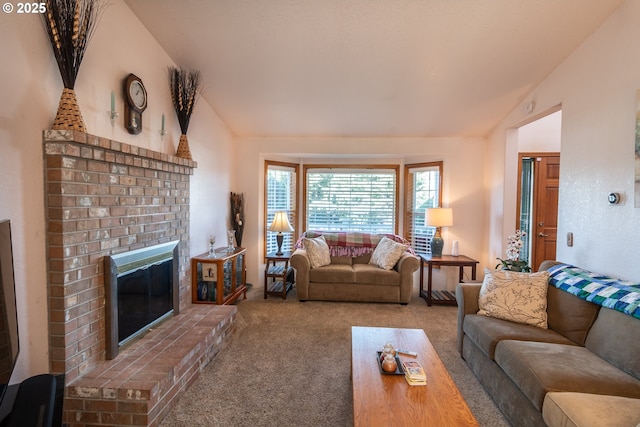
<point x="317" y="251"/>
<point x="387" y="253"/>
<point x="518" y="297"/>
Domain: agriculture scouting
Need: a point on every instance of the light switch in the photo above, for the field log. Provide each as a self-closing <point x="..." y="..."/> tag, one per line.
<point x="570" y="239"/>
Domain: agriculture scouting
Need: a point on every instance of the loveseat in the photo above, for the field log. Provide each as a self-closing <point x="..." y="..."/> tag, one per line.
<point x="582" y="370"/>
<point x="342" y="266"/>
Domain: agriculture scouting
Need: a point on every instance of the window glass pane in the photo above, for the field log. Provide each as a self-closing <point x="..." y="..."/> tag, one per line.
<point x="423" y="191"/>
<point x="280" y="196"/>
<point x="351" y="200"/>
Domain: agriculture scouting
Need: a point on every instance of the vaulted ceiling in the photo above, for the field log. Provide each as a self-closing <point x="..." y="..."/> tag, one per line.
<point x="369" y="68"/>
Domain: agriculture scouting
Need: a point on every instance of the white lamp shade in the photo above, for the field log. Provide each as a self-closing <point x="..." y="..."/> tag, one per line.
<point x="280" y="223"/>
<point x="438" y="217"/>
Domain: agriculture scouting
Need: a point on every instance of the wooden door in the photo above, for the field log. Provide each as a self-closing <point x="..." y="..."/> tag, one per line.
<point x="544" y="221"/>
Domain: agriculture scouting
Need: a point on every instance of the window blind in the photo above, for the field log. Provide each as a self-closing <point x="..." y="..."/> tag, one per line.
<point x="351" y="200"/>
<point x="280" y="196"/>
<point x="423" y="190"/>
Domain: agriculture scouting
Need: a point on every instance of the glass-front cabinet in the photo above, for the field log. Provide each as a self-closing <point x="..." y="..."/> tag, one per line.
<point x="218" y="277"/>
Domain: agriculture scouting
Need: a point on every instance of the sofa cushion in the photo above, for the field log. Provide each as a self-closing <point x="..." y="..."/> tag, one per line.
<point x="538" y="368"/>
<point x="317" y="251"/>
<point x="487" y="332"/>
<point x="590" y="410"/>
<point x="346" y="260"/>
<point x="362" y="259"/>
<point x="615" y="337"/>
<point x="332" y="273"/>
<point x="518" y="297"/>
<point x="372" y="275"/>
<point x="569" y="315"/>
<point x="387" y="253"/>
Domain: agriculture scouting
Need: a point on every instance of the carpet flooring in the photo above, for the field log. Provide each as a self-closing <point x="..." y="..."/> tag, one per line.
<point x="288" y="364"/>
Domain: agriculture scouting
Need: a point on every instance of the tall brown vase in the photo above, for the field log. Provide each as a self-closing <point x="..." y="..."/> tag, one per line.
<point x="183" y="148"/>
<point x="68" y="116"/>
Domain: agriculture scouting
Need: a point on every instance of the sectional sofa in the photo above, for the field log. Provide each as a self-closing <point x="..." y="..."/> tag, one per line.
<point x="583" y="369"/>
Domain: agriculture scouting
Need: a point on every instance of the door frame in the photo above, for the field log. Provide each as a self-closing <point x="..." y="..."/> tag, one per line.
<point x="533" y="237"/>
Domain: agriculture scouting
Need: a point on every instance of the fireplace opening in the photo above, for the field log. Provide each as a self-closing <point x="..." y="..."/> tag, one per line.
<point x="141" y="291"/>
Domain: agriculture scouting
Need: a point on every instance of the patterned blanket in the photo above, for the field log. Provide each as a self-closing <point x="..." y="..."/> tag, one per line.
<point x="602" y="290"/>
<point x="352" y="243"/>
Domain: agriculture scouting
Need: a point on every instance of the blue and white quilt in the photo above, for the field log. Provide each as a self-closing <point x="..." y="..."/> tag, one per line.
<point x="606" y="291"/>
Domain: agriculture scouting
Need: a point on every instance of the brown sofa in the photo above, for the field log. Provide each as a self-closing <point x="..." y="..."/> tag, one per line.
<point x="584" y="370"/>
<point x="352" y="278"/>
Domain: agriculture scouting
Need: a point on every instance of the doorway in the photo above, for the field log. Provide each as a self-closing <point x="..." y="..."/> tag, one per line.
<point x="539" y="175"/>
<point x="538" y="205"/>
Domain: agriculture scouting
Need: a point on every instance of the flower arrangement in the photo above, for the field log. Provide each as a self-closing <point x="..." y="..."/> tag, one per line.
<point x="513" y="262"/>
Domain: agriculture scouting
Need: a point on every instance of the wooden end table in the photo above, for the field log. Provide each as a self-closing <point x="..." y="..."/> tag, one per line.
<point x="388" y="400"/>
<point x="279" y="273"/>
<point x="443" y="297"/>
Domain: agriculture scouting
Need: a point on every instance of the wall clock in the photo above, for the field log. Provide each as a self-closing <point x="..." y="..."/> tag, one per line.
<point x="135" y="96"/>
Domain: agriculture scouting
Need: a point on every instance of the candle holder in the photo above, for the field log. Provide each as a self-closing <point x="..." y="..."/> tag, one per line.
<point x="113" y="115"/>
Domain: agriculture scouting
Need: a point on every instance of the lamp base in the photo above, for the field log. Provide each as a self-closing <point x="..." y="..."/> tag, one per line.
<point x="437" y="243"/>
<point x="279" y="239"/>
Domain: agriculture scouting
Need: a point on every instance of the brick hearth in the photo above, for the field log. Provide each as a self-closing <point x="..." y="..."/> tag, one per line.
<point x="105" y="197"/>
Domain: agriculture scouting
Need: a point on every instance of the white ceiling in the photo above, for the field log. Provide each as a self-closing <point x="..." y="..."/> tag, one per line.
<point x="369" y="68"/>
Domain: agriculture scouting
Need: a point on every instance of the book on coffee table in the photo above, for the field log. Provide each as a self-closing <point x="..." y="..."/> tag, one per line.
<point x="414" y="373"/>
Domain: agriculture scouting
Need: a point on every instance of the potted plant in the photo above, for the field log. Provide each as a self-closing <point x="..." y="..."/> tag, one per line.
<point x="513" y="262"/>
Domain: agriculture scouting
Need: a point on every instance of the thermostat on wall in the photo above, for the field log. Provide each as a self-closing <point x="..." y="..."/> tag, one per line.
<point x="614" y="198"/>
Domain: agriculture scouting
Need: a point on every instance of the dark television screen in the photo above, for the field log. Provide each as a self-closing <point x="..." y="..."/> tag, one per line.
<point x="8" y="314"/>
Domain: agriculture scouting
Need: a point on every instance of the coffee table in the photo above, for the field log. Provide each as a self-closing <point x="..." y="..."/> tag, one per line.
<point x="388" y="400"/>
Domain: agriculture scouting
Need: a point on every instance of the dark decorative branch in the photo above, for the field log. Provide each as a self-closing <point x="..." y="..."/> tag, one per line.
<point x="237" y="215"/>
<point x="185" y="88"/>
<point x="70" y="24"/>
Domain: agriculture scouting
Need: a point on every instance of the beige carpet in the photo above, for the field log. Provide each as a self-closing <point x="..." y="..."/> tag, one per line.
<point x="288" y="364"/>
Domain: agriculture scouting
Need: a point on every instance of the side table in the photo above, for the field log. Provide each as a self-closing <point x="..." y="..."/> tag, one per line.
<point x="443" y="297"/>
<point x="278" y="275"/>
<point x="219" y="277"/>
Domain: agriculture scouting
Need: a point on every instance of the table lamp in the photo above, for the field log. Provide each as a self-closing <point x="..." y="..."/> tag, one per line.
<point x="438" y="217"/>
<point x="280" y="223"/>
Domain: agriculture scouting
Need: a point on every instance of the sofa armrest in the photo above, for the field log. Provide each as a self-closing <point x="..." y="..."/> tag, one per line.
<point x="406" y="265"/>
<point x="467" y="295"/>
<point x="300" y="262"/>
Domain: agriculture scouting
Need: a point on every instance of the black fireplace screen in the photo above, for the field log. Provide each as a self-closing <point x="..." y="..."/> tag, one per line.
<point x="141" y="289"/>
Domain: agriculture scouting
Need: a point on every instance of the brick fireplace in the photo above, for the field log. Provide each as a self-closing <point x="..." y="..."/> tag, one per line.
<point x="104" y="197"/>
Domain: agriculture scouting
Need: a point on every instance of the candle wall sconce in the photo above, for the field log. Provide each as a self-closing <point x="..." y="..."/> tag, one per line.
<point x="113" y="114"/>
<point x="163" y="131"/>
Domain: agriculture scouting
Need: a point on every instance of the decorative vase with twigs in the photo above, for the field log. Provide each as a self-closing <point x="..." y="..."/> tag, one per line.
<point x="237" y="215"/>
<point x="185" y="87"/>
<point x="70" y="24"/>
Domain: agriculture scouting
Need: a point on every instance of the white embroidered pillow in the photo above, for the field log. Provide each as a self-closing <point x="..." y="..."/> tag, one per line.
<point x="518" y="297"/>
<point x="317" y="251"/>
<point x="387" y="253"/>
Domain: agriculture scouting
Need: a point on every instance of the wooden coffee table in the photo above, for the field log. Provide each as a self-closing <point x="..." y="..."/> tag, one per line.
<point x="387" y="400"/>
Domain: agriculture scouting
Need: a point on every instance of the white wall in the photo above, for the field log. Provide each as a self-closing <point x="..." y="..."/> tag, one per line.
<point x="542" y="135"/>
<point x="31" y="87"/>
<point x="596" y="87"/>
<point x="463" y="189"/>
